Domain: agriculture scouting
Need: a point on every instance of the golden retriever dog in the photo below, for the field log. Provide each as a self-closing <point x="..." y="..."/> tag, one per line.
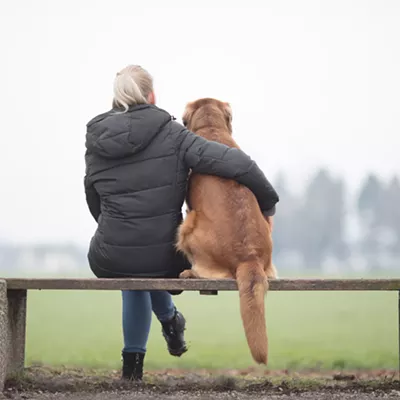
<point x="225" y="234"/>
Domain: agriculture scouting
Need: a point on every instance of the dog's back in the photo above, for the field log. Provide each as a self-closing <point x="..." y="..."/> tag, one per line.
<point x="225" y="234"/>
<point x="237" y="228"/>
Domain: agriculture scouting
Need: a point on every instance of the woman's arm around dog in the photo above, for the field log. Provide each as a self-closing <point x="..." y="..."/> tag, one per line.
<point x="206" y="157"/>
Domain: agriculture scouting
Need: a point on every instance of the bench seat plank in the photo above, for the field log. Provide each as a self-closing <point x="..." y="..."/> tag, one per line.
<point x="199" y="284"/>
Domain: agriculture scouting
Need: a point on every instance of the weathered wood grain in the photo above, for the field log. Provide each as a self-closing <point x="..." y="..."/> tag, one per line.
<point x="203" y="285"/>
<point x="16" y="330"/>
<point x="3" y="333"/>
<point x="12" y="331"/>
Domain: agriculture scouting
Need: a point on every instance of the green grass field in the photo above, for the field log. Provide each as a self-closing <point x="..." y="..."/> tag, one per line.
<point x="342" y="330"/>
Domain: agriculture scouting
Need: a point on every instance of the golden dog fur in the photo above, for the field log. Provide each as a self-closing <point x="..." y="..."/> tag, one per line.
<point x="225" y="234"/>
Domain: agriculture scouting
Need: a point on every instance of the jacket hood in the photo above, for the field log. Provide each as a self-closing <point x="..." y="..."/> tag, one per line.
<point x="118" y="135"/>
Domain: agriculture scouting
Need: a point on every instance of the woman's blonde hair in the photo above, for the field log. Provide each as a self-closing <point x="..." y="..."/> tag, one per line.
<point x="132" y="86"/>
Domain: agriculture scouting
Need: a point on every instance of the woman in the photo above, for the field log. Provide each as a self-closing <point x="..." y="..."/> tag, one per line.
<point x="137" y="163"/>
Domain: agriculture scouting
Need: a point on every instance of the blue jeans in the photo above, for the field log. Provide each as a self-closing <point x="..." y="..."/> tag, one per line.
<point x="137" y="307"/>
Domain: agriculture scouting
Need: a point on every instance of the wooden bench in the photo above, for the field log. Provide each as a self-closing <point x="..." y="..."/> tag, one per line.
<point x="13" y="296"/>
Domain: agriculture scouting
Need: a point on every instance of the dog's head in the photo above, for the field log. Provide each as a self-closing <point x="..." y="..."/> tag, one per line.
<point x="208" y="112"/>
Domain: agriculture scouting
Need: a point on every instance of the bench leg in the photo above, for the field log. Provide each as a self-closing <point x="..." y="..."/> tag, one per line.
<point x="16" y="330"/>
<point x="3" y="333"/>
<point x="209" y="292"/>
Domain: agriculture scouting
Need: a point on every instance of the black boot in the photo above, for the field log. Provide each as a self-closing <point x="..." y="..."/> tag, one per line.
<point x="173" y="331"/>
<point x="132" y="367"/>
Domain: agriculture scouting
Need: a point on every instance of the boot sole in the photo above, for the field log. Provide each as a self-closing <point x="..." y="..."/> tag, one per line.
<point x="179" y="352"/>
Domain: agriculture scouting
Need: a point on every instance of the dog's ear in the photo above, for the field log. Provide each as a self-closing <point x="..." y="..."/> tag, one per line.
<point x="228" y="115"/>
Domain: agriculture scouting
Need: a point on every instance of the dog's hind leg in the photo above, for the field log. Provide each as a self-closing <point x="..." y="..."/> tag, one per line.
<point x="270" y="270"/>
<point x="269" y="267"/>
<point x="213" y="271"/>
<point x="272" y="273"/>
<point x="184" y="232"/>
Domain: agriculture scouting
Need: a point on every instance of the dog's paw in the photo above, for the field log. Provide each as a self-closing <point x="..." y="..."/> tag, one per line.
<point x="188" y="274"/>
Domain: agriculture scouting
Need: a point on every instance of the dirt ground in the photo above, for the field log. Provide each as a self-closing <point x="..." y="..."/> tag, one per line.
<point x="204" y="396"/>
<point x="66" y="384"/>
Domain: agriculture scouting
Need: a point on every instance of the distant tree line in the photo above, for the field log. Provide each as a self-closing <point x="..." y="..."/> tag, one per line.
<point x="325" y="222"/>
<point x="325" y="226"/>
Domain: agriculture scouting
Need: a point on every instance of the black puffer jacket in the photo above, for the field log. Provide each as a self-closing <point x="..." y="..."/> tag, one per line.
<point x="137" y="165"/>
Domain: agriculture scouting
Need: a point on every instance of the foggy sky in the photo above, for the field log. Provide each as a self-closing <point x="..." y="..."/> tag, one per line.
<point x="311" y="83"/>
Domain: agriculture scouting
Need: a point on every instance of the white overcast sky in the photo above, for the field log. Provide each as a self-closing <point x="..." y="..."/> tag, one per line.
<point x="311" y="83"/>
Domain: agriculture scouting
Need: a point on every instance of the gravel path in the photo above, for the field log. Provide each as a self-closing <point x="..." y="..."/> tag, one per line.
<point x="206" y="396"/>
<point x="75" y="384"/>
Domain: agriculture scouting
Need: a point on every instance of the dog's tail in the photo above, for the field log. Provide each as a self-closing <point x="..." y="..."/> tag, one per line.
<point x="253" y="285"/>
<point x="185" y="229"/>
